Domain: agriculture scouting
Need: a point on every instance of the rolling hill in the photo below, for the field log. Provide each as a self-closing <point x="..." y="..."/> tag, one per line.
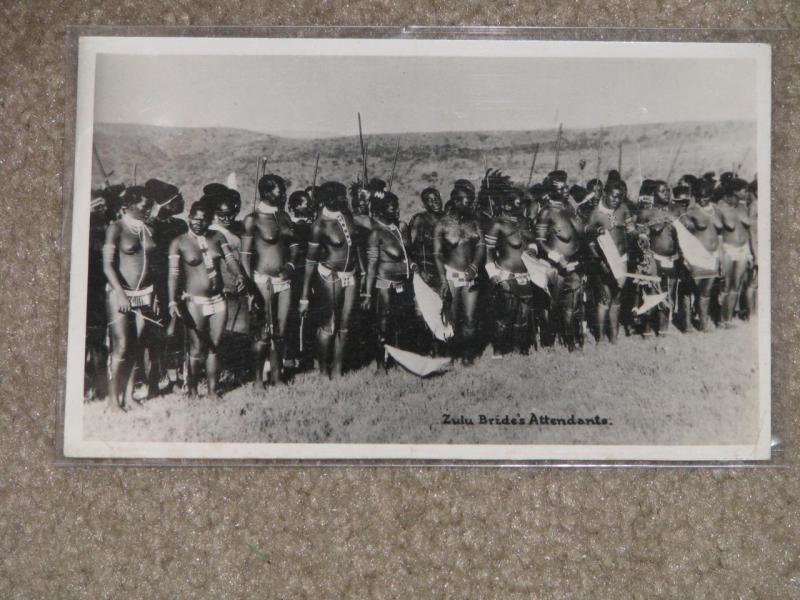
<point x="192" y="157"/>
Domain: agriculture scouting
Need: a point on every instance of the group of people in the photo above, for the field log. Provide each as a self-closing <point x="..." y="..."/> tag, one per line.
<point x="331" y="275"/>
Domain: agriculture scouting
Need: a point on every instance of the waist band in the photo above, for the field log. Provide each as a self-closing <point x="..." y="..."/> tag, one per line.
<point x="346" y="278"/>
<point x="279" y="284"/>
<point x="211" y="304"/>
<point x="137" y="298"/>
<point x="388" y="284"/>
<point x="737" y="253"/>
<point x="458" y="278"/>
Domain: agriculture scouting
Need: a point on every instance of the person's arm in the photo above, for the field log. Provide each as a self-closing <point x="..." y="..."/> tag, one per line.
<point x="438" y="251"/>
<point x="414" y="227"/>
<point x="174" y="272"/>
<point x="752" y="229"/>
<point x="478" y="255"/>
<point x="312" y="259"/>
<point x="247" y="245"/>
<point x="230" y="260"/>
<point x="493" y="236"/>
<point x="373" y="257"/>
<point x="294" y="256"/>
<point x="405" y="236"/>
<point x="110" y="249"/>
<point x="594" y="229"/>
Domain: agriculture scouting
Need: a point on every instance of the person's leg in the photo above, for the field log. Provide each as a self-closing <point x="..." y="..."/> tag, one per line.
<point x="503" y="319"/>
<point x="281" y="304"/>
<point x="601" y="292"/>
<point x="739" y="274"/>
<point x="751" y="291"/>
<point x="122" y="329"/>
<point x="568" y="298"/>
<point x="198" y="346"/>
<point x="216" y="329"/>
<point x="455" y="316"/>
<point x="727" y="297"/>
<point x="383" y="310"/>
<point x="616" y="292"/>
<point x="665" y="309"/>
<point x="347" y="302"/>
<point x="470" y="329"/>
<point x="522" y="319"/>
<point x="703" y="298"/>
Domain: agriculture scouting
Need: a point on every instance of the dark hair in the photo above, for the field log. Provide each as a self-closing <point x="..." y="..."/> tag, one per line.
<point x="613" y="184"/>
<point x="269" y="182"/>
<point x="737" y="185"/>
<point x="380" y="202"/>
<point x="463" y="185"/>
<point x="429" y="190"/>
<point x="579" y="193"/>
<point x="680" y="190"/>
<point x="331" y="190"/>
<point x="206" y="204"/>
<point x="376" y="185"/>
<point x="705" y="188"/>
<point x="133" y="195"/>
<point x="296" y="197"/>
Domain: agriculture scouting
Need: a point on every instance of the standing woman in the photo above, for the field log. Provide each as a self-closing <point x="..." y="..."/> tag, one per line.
<point x="738" y="242"/>
<point x="128" y="255"/>
<point x="269" y="237"/>
<point x="460" y="250"/>
<point x="332" y="254"/>
<point x="196" y="256"/>
<point x="389" y="270"/>
<point x="703" y="221"/>
<point x="510" y="235"/>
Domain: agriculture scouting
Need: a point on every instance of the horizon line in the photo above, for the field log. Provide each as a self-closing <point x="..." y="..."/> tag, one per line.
<point x="303" y="135"/>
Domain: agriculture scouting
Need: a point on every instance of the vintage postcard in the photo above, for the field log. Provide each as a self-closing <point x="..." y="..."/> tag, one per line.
<point x="419" y="249"/>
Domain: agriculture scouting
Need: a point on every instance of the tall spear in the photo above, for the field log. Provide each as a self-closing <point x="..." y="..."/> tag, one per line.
<point x="674" y="161"/>
<point x="533" y="164"/>
<point x="363" y="149"/>
<point x="558" y="144"/>
<point x="394" y="164"/>
<point x="103" y="172"/>
<point x="597" y="174"/>
<point x="134" y="173"/>
<point x="639" y="160"/>
<point x="314" y="181"/>
<point x="619" y="160"/>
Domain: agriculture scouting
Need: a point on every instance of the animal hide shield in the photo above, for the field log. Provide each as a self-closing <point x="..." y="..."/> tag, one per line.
<point x="538" y="270"/>
<point x="612" y="256"/>
<point x="430" y="306"/>
<point x="421" y="366"/>
<point x="700" y="260"/>
<point x="649" y="302"/>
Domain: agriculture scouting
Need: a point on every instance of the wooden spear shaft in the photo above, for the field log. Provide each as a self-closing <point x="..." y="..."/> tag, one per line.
<point x="533" y="164"/>
<point x="558" y="144"/>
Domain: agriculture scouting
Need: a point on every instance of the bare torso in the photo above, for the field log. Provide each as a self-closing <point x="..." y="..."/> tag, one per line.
<point x="200" y="279"/>
<point x="704" y="223"/>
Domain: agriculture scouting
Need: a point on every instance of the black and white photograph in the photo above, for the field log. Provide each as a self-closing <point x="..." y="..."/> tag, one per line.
<point x="419" y="249"/>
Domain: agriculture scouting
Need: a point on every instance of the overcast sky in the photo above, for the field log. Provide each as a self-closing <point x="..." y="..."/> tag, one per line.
<point x="303" y="95"/>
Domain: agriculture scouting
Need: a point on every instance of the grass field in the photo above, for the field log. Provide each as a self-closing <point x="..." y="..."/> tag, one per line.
<point x="680" y="389"/>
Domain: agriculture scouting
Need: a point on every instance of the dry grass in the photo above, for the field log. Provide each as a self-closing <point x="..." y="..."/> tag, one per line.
<point x="681" y="389"/>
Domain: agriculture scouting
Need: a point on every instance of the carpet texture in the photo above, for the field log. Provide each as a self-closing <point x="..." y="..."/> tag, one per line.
<point x="366" y="532"/>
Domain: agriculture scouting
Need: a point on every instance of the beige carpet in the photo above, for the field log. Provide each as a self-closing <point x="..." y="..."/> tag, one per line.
<point x="364" y="532"/>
